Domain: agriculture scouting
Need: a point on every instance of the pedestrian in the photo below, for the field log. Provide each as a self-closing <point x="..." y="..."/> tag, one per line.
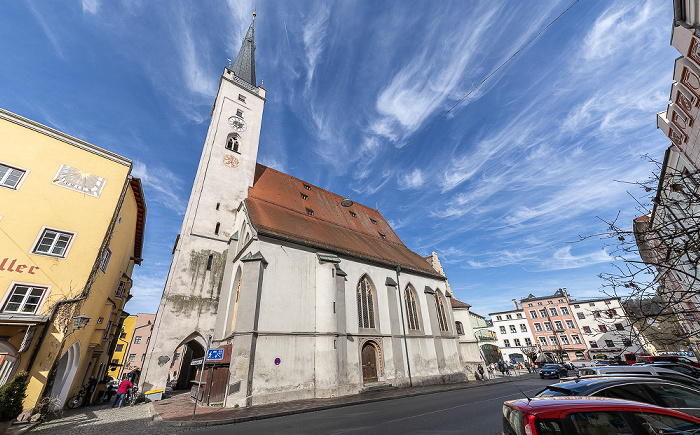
<point x="481" y="371"/>
<point x="89" y="389"/>
<point x="121" y="392"/>
<point x="111" y="391"/>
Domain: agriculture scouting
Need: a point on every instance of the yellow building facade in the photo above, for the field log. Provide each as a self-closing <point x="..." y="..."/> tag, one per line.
<point x="120" y="351"/>
<point x="71" y="230"/>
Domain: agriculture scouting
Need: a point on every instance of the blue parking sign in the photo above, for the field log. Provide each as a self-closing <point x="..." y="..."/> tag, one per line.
<point x="215" y="355"/>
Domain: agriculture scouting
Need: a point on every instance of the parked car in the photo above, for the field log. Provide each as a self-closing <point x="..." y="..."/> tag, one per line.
<point x="602" y="362"/>
<point x="658" y="392"/>
<point x="592" y="415"/>
<point x="667" y="358"/>
<point x="686" y="369"/>
<point x="656" y="370"/>
<point x="553" y="371"/>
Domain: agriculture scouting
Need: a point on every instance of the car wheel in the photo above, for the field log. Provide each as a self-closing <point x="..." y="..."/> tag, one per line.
<point x="542" y="376"/>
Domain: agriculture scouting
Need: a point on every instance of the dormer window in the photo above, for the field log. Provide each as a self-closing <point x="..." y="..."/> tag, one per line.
<point x="309" y="212"/>
<point x="374" y="221"/>
<point x="304" y="197"/>
<point x="233" y="142"/>
<point x="353" y="214"/>
<point x="239" y="113"/>
<point x="307" y="187"/>
<point x="382" y="235"/>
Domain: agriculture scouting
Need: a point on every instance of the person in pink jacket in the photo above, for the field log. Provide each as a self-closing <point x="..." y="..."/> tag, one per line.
<point x="121" y="392"/>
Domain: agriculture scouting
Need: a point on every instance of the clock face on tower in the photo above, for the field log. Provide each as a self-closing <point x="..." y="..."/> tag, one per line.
<point x="237" y="123"/>
<point x="81" y="181"/>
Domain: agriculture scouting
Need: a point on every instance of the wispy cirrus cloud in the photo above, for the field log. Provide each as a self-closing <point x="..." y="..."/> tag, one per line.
<point x="90" y="6"/>
<point x="162" y="186"/>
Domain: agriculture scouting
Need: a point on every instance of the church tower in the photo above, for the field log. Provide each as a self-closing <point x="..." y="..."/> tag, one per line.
<point x="187" y="310"/>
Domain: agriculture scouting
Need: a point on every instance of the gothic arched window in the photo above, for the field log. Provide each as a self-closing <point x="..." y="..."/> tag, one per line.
<point x="365" y="304"/>
<point x="232" y="142"/>
<point x="411" y="308"/>
<point x="235" y="303"/>
<point x="442" y="319"/>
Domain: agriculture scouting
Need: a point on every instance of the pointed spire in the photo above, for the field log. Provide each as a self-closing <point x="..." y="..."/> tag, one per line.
<point x="244" y="65"/>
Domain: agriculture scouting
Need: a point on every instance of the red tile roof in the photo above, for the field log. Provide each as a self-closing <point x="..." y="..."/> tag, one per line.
<point x="140" y="219"/>
<point x="280" y="206"/>
<point x="458" y="304"/>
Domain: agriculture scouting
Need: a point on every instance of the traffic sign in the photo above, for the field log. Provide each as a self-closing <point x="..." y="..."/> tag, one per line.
<point x="215" y="355"/>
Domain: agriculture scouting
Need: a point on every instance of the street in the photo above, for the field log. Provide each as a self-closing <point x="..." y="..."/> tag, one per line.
<point x="473" y="411"/>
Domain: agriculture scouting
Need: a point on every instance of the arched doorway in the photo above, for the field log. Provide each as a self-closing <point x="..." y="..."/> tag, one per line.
<point x="369" y="363"/>
<point x="191" y="351"/>
<point x="9" y="361"/>
<point x="490" y="353"/>
<point x="67" y="366"/>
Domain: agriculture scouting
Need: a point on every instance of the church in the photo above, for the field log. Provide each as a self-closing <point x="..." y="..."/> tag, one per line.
<point x="280" y="290"/>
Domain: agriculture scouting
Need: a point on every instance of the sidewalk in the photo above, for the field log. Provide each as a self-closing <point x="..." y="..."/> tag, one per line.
<point x="176" y="409"/>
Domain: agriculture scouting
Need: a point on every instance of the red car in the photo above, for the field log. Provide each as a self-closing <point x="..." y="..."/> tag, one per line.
<point x="592" y="416"/>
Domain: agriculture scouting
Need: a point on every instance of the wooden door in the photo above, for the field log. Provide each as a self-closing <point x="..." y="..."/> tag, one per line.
<point x="218" y="381"/>
<point x="369" y="363"/>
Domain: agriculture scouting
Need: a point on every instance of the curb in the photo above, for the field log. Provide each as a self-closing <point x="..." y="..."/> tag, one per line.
<point x="234" y="420"/>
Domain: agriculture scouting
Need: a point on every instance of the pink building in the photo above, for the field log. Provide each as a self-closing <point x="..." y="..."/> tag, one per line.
<point x="554" y="327"/>
<point x="140" y="337"/>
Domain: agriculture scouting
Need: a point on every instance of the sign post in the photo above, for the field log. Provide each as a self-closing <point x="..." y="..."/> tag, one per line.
<point x="201" y="373"/>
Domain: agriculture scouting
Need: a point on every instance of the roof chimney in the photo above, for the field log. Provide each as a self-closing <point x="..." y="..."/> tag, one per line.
<point x="515" y="304"/>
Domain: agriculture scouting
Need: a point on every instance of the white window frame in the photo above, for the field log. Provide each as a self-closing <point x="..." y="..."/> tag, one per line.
<point x="523" y="328"/>
<point x="538" y="327"/>
<point x="137" y="339"/>
<point x="564" y="340"/>
<point x="121" y="289"/>
<point x="11" y="289"/>
<point x="533" y="314"/>
<point x="528" y="342"/>
<point x="516" y="342"/>
<point x="104" y="261"/>
<point x="576" y="339"/>
<point x="506" y="343"/>
<point x="543" y="341"/>
<point x="558" y="325"/>
<point x="570" y="324"/>
<point x="564" y="311"/>
<point x="40" y="237"/>
<point x="21" y="178"/>
<point x="553" y="312"/>
<point x="513" y="329"/>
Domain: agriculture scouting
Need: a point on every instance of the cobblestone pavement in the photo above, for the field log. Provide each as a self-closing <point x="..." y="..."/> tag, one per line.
<point x="105" y="420"/>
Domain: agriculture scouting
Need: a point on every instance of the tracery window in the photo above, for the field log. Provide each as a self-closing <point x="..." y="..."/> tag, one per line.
<point x="411" y="309"/>
<point x="365" y="304"/>
<point x="442" y="319"/>
<point x="235" y="303"/>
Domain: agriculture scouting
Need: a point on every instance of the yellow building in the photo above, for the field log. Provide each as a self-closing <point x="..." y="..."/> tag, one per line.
<point x="120" y="351"/>
<point x="71" y="229"/>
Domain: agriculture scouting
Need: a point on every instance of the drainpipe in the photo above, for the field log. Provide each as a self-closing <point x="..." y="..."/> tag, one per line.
<point x="46" y="328"/>
<point x="403" y="324"/>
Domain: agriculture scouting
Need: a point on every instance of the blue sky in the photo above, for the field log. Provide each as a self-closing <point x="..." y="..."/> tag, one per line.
<point x="498" y="188"/>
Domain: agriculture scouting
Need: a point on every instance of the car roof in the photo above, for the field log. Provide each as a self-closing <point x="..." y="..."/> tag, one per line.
<point x="551" y="407"/>
<point x="584" y="383"/>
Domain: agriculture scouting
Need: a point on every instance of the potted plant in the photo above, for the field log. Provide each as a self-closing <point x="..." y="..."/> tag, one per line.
<point x="12" y="396"/>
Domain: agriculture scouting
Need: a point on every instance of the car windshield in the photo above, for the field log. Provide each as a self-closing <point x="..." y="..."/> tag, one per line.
<point x="553" y="391"/>
<point x="550" y="366"/>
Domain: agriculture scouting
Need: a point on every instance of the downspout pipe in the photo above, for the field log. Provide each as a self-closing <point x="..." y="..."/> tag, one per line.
<point x="46" y="328"/>
<point x="403" y="324"/>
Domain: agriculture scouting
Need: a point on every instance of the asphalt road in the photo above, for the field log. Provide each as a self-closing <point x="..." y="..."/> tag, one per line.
<point x="468" y="411"/>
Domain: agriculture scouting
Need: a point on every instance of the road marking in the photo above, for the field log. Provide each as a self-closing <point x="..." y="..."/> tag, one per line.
<point x="439" y="410"/>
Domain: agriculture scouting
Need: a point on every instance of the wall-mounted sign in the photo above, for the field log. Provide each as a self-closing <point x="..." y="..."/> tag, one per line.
<point x="215" y="355"/>
<point x="12" y="266"/>
<point x="196" y="362"/>
<point x="277" y="361"/>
